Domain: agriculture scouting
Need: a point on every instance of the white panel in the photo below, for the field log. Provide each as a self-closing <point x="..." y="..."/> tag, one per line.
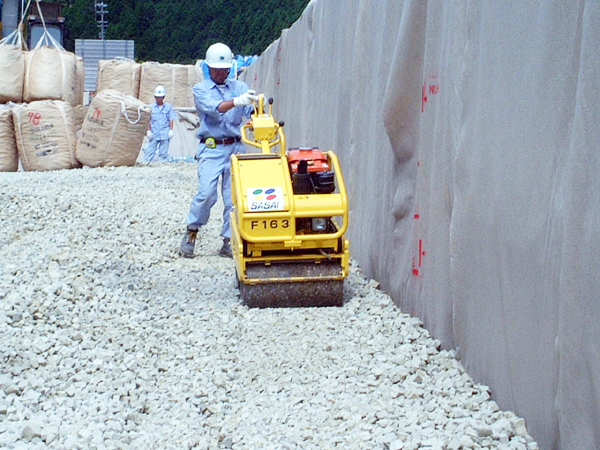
<point x="94" y="50"/>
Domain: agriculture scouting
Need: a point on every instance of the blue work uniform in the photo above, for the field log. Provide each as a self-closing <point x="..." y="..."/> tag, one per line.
<point x="216" y="162"/>
<point x="160" y="126"/>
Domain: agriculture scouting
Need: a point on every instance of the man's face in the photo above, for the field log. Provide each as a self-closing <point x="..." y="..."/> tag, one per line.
<point x="218" y="75"/>
<point x="159" y="100"/>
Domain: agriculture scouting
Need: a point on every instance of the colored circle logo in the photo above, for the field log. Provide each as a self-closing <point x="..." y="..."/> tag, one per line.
<point x="271" y="197"/>
<point x="257" y="191"/>
<point x="269" y="191"/>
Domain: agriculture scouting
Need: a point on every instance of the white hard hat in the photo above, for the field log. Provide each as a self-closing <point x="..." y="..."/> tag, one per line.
<point x="160" y="91"/>
<point x="219" y="56"/>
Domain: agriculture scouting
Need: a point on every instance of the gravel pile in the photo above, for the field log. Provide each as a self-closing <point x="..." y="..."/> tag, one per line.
<point x="109" y="340"/>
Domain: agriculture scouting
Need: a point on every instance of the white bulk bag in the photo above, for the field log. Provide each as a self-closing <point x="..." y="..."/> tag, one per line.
<point x="79" y="80"/>
<point x="178" y="79"/>
<point x="119" y="74"/>
<point x="194" y="76"/>
<point x="113" y="130"/>
<point x="45" y="135"/>
<point x="12" y="68"/>
<point x="79" y="114"/>
<point x="9" y="155"/>
<point x="51" y="73"/>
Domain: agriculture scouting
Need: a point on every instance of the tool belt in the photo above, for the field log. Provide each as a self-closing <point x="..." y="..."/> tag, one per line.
<point x="225" y="141"/>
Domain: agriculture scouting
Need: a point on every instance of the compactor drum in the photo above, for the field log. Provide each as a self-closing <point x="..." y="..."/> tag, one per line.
<point x="290" y="213"/>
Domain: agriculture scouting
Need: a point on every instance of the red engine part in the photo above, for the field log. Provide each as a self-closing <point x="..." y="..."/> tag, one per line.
<point x="316" y="159"/>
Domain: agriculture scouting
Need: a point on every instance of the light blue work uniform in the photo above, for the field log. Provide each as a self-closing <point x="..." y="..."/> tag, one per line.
<point x="160" y="126"/>
<point x="215" y="162"/>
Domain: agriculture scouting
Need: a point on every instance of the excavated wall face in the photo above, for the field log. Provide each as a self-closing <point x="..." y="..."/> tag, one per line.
<point x="469" y="133"/>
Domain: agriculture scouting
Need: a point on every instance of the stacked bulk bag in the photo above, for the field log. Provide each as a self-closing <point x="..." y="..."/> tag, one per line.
<point x="167" y="75"/>
<point x="51" y="73"/>
<point x="12" y="68"/>
<point x="79" y="113"/>
<point x="119" y="74"/>
<point x="113" y="130"/>
<point x="178" y="80"/>
<point x="45" y="135"/>
<point x="194" y="76"/>
<point x="9" y="156"/>
<point x="79" y="79"/>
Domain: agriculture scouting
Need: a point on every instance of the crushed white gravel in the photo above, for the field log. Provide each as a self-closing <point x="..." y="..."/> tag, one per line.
<point x="109" y="340"/>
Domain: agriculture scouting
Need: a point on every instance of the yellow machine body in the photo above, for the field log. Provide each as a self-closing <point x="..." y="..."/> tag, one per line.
<point x="289" y="249"/>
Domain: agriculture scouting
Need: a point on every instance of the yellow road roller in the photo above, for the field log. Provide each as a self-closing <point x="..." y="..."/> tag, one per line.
<point x="289" y="218"/>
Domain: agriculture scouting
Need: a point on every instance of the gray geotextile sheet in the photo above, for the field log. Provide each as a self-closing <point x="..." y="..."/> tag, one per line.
<point x="469" y="135"/>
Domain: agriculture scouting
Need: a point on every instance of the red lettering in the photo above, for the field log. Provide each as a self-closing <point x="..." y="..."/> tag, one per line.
<point x="35" y="118"/>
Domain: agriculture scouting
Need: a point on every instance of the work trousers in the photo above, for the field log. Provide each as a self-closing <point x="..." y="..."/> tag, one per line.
<point x="152" y="147"/>
<point x="213" y="163"/>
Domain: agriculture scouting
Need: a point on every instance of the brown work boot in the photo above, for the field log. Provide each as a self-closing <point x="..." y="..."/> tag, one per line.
<point x="187" y="244"/>
<point x="226" y="249"/>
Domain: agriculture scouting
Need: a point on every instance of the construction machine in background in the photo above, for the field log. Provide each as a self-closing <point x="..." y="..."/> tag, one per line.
<point x="39" y="18"/>
<point x="289" y="217"/>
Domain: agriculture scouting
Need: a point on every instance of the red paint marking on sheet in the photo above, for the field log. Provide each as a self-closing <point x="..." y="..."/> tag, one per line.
<point x="431" y="87"/>
<point x="416" y="267"/>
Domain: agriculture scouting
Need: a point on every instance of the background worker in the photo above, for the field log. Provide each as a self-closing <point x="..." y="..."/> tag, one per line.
<point x="221" y="104"/>
<point x="161" y="127"/>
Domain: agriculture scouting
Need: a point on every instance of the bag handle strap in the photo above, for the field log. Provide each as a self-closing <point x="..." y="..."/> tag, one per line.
<point x="46" y="38"/>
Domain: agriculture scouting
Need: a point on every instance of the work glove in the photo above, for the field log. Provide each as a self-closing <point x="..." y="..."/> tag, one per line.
<point x="247" y="98"/>
<point x="170" y="134"/>
<point x="149" y="134"/>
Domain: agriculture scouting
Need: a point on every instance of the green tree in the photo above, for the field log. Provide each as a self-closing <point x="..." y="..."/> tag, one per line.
<point x="179" y="31"/>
